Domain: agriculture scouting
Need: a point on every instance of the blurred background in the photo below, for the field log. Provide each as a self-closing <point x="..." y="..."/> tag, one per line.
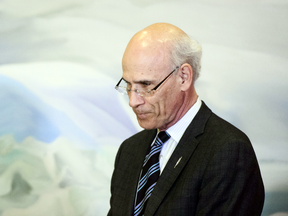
<point x="61" y="121"/>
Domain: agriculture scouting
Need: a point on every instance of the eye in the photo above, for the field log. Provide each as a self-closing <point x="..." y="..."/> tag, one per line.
<point x="146" y="83"/>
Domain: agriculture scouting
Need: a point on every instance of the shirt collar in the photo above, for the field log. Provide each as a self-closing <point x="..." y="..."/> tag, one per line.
<point x="177" y="130"/>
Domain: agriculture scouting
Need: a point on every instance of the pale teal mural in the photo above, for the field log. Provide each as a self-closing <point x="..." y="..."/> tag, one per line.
<point x="61" y="120"/>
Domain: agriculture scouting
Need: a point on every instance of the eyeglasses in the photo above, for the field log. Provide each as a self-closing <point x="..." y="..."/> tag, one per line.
<point x="124" y="89"/>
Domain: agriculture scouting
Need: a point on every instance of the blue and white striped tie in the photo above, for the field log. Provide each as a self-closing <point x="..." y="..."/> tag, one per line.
<point x="150" y="174"/>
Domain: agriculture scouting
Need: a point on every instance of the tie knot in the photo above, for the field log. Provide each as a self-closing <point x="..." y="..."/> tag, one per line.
<point x="163" y="136"/>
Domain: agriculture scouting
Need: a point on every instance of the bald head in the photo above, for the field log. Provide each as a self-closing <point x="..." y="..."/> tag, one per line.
<point x="163" y="43"/>
<point x="158" y="33"/>
<point x="155" y="41"/>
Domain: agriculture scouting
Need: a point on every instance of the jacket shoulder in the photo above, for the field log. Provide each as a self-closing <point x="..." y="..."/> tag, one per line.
<point x="220" y="127"/>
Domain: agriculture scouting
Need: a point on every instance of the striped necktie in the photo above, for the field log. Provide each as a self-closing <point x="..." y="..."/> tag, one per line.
<point x="150" y="174"/>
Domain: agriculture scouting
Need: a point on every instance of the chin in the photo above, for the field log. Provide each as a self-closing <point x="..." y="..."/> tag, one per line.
<point x="147" y="125"/>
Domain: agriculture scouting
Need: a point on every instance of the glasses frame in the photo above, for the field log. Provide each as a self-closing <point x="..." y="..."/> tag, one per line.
<point x="117" y="87"/>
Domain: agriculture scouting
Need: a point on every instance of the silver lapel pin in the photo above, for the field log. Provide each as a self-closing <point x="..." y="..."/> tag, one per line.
<point x="178" y="162"/>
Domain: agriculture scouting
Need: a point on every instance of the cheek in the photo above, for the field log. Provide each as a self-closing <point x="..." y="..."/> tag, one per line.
<point x="164" y="103"/>
<point x="167" y="108"/>
<point x="164" y="107"/>
<point x="172" y="103"/>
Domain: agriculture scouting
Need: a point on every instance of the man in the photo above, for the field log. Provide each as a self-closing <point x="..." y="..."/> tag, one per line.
<point x="207" y="166"/>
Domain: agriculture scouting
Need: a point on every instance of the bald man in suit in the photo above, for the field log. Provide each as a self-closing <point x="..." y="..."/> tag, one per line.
<point x="208" y="166"/>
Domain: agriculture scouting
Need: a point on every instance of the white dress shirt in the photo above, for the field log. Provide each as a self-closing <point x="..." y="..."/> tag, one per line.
<point x="176" y="131"/>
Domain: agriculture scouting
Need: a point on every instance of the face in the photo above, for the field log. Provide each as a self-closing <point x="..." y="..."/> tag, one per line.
<point x="160" y="109"/>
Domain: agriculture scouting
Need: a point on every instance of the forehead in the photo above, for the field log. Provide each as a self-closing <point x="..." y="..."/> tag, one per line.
<point x="145" y="57"/>
<point x="147" y="68"/>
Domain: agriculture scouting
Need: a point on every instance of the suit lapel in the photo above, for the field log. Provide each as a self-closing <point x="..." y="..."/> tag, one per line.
<point x="178" y="159"/>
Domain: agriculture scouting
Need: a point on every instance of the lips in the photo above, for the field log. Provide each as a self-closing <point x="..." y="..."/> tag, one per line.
<point x="141" y="115"/>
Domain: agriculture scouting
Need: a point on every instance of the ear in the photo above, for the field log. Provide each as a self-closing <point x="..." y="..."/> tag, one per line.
<point x="186" y="74"/>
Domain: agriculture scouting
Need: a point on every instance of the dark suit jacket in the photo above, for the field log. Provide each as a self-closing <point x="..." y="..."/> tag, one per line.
<point x="217" y="175"/>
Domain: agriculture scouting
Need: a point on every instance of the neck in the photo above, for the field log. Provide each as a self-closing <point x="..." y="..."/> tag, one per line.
<point x="188" y="101"/>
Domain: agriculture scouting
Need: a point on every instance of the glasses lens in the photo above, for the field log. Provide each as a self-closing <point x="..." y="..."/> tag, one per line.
<point x="125" y="88"/>
<point x="121" y="89"/>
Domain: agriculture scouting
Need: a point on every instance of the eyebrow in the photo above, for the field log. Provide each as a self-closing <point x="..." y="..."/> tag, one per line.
<point x="143" y="82"/>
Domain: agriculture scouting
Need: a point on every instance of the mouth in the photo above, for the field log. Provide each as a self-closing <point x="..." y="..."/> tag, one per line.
<point x="141" y="115"/>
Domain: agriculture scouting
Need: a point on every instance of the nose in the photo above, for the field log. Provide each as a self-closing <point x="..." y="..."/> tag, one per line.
<point x="135" y="100"/>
